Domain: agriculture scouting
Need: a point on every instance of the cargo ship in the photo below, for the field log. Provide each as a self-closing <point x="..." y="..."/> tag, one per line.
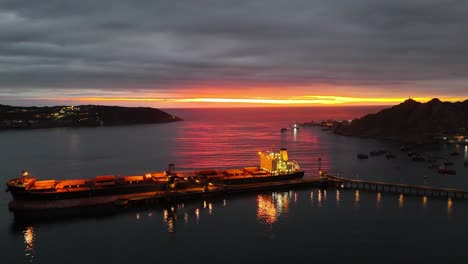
<point x="30" y="193"/>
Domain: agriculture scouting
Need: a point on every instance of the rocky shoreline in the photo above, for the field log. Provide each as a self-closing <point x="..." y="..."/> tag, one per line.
<point x="413" y="122"/>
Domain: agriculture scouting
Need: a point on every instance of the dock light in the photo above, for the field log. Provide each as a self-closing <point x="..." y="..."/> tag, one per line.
<point x="25" y="173"/>
<point x="148" y="175"/>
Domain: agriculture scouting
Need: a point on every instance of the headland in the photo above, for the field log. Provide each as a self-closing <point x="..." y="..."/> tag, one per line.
<point x="413" y="122"/>
<point x="16" y="117"/>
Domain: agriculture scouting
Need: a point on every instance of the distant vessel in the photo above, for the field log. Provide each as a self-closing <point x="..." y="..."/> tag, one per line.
<point x="443" y="170"/>
<point x="296" y="126"/>
<point x="31" y="194"/>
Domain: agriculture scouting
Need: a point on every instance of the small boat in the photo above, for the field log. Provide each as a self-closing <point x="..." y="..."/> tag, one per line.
<point x="283" y="129"/>
<point x="362" y="156"/>
<point x="295" y="126"/>
<point x="443" y="170"/>
<point x="446" y="171"/>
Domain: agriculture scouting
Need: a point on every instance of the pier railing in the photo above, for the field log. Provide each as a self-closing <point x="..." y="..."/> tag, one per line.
<point x="417" y="190"/>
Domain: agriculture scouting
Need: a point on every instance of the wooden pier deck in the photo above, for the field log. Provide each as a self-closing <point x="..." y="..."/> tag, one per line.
<point x="416" y="190"/>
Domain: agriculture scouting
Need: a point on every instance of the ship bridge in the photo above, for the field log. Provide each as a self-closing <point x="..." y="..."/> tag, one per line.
<point x="277" y="163"/>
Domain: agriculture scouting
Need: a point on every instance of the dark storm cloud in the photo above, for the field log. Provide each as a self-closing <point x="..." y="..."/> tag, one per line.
<point x="160" y="45"/>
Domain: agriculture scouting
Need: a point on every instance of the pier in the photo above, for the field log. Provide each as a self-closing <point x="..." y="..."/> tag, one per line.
<point x="406" y="189"/>
<point x="212" y="191"/>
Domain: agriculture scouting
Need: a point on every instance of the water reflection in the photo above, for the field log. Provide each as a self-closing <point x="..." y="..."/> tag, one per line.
<point x="270" y="207"/>
<point x="379" y="199"/>
<point x="401" y="199"/>
<point x="29" y="252"/>
<point x="319" y="198"/>
<point x="356" y="198"/>
<point x="424" y="201"/>
<point x="337" y="198"/>
<point x="197" y="215"/>
<point x="449" y="206"/>
<point x="466" y="152"/>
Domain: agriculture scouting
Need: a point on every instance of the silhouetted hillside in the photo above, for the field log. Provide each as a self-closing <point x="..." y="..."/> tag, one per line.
<point x="412" y="121"/>
<point x="82" y="115"/>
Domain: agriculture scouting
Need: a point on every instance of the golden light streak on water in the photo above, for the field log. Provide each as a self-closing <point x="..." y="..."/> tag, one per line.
<point x="356" y="198"/>
<point x="269" y="208"/>
<point x="319" y="198"/>
<point x="266" y="210"/>
<point x="29" y="237"/>
<point x="312" y="196"/>
<point x="224" y="203"/>
<point x="186" y="217"/>
<point x="466" y="152"/>
<point x="337" y="197"/>
<point x="204" y="204"/>
<point x="137" y="216"/>
<point x="424" y="201"/>
<point x="449" y="206"/>
<point x="170" y="225"/>
<point x="210" y="208"/>
<point x="379" y="199"/>
<point x="401" y="199"/>
<point x="197" y="215"/>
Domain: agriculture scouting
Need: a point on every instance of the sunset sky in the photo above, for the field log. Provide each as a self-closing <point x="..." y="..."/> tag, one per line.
<point x="206" y="53"/>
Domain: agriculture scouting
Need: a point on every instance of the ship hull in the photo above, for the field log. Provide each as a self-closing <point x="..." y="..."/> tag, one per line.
<point x="50" y="199"/>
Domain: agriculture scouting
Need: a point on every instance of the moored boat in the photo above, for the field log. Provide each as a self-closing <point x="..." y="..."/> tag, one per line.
<point x="443" y="170"/>
<point x="30" y="193"/>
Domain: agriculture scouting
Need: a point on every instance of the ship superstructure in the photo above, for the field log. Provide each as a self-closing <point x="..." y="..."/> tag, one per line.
<point x="277" y="163"/>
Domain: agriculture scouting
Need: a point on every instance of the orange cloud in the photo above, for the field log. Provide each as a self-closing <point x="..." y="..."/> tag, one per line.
<point x="307" y="100"/>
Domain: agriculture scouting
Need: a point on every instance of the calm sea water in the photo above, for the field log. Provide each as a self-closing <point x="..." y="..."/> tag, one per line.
<point x="297" y="226"/>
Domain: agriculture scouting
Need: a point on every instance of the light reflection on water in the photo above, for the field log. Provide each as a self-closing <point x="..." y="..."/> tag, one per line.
<point x="270" y="208"/>
<point x="29" y="252"/>
<point x="356" y="198"/>
<point x="401" y="200"/>
<point x="379" y="199"/>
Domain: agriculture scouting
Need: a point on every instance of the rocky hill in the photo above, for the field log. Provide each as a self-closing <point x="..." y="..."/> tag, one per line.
<point x="412" y="121"/>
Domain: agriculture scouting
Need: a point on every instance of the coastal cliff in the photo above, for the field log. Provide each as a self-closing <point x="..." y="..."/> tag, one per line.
<point x="78" y="116"/>
<point x="412" y="122"/>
